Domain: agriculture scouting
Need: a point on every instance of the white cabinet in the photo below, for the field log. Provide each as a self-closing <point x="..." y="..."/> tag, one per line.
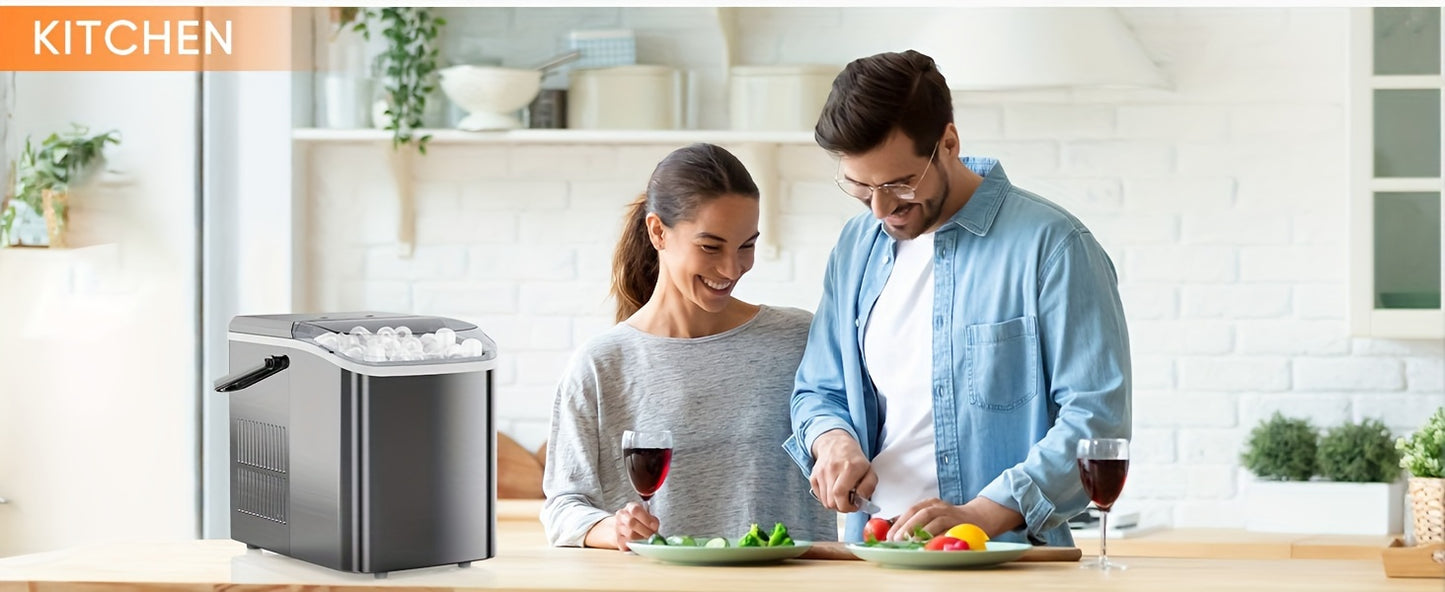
<point x="1396" y="187"/>
<point x="99" y="350"/>
<point x="97" y="413"/>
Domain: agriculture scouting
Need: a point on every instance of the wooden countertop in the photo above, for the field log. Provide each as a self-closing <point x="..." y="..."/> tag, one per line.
<point x="526" y="563"/>
<point x="1223" y="543"/>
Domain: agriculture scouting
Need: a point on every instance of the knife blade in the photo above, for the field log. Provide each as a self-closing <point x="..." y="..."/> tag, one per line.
<point x="863" y="503"/>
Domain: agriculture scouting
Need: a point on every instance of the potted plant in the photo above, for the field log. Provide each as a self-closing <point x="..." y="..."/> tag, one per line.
<point x="407" y="67"/>
<point x="1422" y="454"/>
<point x="43" y="179"/>
<point x="1360" y="462"/>
<point x="1342" y="482"/>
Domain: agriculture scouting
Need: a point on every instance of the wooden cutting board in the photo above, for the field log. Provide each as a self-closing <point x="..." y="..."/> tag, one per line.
<point x="831" y="550"/>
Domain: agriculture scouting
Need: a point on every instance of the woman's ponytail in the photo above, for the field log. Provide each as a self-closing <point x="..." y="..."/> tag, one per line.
<point x="634" y="263"/>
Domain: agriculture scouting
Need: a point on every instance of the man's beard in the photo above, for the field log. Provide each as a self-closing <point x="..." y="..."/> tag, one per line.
<point x="929" y="210"/>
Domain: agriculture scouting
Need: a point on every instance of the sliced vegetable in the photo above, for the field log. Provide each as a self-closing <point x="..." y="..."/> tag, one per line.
<point x="657" y="539"/>
<point x="716" y="542"/>
<point x="681" y="541"/>
<point x="946" y="543"/>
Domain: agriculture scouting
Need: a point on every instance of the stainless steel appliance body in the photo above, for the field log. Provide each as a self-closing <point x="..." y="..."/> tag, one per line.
<point x="360" y="466"/>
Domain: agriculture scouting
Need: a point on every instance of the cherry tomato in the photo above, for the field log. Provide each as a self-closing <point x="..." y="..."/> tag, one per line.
<point x="876" y="529"/>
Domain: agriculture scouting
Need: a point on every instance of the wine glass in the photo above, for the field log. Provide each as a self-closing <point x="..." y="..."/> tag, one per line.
<point x="1103" y="464"/>
<point x="648" y="455"/>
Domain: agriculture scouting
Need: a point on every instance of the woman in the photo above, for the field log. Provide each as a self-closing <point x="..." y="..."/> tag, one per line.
<point x="685" y="356"/>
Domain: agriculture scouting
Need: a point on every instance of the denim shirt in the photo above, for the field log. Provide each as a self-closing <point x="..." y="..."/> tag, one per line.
<point x="1031" y="354"/>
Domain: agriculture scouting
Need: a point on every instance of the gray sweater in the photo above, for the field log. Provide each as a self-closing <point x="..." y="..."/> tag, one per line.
<point x="725" y="397"/>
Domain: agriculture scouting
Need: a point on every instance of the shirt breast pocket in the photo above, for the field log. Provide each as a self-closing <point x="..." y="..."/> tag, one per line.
<point x="1002" y="363"/>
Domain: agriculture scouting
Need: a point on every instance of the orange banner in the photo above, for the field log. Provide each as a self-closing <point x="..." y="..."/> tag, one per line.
<point x="145" y="38"/>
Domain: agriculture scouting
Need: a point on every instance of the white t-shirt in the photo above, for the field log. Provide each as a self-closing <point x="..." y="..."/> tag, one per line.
<point x="898" y="351"/>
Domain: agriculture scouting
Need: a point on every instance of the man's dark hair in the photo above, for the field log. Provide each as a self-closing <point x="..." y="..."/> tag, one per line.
<point x="876" y="94"/>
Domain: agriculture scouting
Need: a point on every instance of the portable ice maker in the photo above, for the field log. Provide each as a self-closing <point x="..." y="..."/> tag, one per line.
<point x="359" y="445"/>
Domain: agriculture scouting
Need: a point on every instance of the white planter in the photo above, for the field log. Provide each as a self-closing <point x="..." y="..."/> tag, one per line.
<point x="1324" y="507"/>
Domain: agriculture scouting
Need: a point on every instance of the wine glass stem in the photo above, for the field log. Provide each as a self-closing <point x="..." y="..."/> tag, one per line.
<point x="1103" y="538"/>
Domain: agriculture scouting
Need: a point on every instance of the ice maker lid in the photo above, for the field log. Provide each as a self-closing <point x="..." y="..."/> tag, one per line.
<point x="356" y="336"/>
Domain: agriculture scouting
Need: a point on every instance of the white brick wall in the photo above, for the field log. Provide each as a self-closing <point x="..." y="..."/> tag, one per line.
<point x="1223" y="202"/>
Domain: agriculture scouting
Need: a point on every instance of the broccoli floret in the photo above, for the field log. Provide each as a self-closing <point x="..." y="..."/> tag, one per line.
<point x="754" y="538"/>
<point x="780" y="533"/>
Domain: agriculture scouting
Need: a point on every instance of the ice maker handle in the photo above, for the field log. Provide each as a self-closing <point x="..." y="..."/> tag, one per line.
<point x="242" y="380"/>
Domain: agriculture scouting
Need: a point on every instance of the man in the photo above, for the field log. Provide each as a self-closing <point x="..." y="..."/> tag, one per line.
<point x="970" y="332"/>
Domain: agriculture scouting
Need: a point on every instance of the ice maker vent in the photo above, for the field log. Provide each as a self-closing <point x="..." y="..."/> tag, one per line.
<point x="261" y="494"/>
<point x="260" y="445"/>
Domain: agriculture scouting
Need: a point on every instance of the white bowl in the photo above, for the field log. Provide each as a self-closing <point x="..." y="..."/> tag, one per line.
<point x="491" y="95"/>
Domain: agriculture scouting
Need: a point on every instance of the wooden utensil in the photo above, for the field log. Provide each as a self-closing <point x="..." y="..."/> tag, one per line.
<point x="839" y="551"/>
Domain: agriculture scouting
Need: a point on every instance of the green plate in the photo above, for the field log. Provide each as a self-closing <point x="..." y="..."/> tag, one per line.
<point x="996" y="553"/>
<point x="730" y="555"/>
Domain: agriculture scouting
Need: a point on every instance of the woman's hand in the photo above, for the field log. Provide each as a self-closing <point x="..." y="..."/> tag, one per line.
<point x="631" y="523"/>
<point x="634" y="524"/>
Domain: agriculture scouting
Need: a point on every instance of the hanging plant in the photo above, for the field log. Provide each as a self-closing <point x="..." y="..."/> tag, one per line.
<point x="407" y="66"/>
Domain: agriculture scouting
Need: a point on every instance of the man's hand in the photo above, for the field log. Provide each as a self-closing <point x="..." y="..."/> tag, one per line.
<point x="937" y="516"/>
<point x="839" y="469"/>
<point x="631" y="523"/>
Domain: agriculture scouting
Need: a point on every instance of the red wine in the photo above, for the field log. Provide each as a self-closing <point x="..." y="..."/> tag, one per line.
<point x="647" y="467"/>
<point x="1103" y="480"/>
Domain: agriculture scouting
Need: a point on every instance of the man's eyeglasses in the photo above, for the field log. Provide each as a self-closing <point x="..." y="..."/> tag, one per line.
<point x="862" y="192"/>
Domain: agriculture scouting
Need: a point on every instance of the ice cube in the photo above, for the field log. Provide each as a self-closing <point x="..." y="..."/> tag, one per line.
<point x="386" y="332"/>
<point x="354" y="352"/>
<point x="359" y="331"/>
<point x="455" y="351"/>
<point x="447" y="336"/>
<point x="473" y="347"/>
<point x="375" y="352"/>
<point x="328" y="341"/>
<point x="345" y="341"/>
<point x="403" y="331"/>
<point x="411" y="344"/>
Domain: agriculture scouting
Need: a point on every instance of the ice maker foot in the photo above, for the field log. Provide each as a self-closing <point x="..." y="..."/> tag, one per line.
<point x="381" y="575"/>
<point x="464" y="564"/>
<point x="251" y="547"/>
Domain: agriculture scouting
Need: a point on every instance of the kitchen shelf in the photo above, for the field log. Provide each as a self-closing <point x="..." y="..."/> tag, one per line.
<point x="563" y="136"/>
<point x="757" y="150"/>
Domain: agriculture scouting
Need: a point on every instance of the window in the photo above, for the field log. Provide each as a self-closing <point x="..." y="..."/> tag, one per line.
<point x="1396" y="177"/>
